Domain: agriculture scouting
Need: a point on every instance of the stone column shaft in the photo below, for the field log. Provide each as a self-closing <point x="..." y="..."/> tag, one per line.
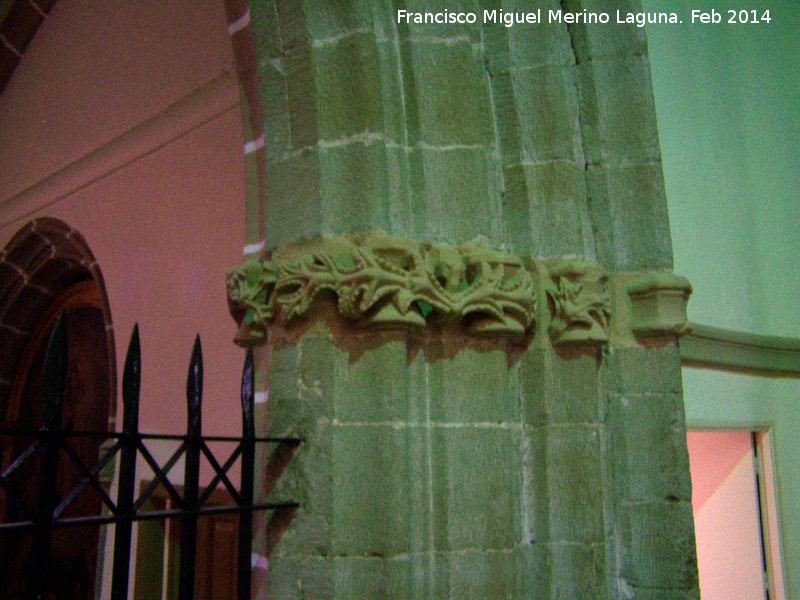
<point x="462" y="229"/>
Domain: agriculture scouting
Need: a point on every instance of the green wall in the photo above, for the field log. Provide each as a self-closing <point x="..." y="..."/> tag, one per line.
<point x="728" y="106"/>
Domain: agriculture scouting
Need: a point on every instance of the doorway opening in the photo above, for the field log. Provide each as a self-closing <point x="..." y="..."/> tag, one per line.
<point x="735" y="513"/>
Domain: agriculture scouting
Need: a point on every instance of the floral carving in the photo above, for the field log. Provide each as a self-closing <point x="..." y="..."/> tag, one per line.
<point x="382" y="282"/>
<point x="580" y="303"/>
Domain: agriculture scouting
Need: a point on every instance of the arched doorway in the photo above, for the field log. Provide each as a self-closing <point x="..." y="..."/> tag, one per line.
<point x="51" y="271"/>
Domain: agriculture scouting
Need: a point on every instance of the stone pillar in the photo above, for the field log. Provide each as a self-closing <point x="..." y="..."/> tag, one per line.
<point x="467" y="307"/>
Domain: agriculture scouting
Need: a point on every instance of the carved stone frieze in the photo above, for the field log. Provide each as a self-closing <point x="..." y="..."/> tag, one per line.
<point x="380" y="282"/>
<point x="377" y="282"/>
<point x="580" y="305"/>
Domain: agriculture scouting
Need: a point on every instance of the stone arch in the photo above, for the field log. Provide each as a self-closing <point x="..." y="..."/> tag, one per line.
<point x="237" y="14"/>
<point x="46" y="269"/>
<point x="42" y="261"/>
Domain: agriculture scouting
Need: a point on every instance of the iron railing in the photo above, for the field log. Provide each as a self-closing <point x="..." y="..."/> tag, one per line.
<point x="51" y="444"/>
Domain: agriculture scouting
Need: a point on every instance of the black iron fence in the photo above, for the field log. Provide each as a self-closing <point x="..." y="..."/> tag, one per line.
<point x="51" y="444"/>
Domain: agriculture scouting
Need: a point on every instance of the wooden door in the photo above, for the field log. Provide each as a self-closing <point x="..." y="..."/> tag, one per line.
<point x="158" y="552"/>
<point x="74" y="551"/>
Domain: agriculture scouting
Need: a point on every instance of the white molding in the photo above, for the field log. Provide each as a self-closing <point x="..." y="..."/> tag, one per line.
<point x="203" y="104"/>
<point x="739" y="352"/>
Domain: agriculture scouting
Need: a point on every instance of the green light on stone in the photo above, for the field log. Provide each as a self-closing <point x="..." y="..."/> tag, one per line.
<point x="424" y="308"/>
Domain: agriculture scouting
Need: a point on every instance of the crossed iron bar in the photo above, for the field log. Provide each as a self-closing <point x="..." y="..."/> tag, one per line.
<point x="51" y="439"/>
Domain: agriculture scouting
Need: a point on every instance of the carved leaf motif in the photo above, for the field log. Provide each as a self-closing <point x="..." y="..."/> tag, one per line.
<point x="581" y="311"/>
<point x="390" y="283"/>
<point x="250" y="293"/>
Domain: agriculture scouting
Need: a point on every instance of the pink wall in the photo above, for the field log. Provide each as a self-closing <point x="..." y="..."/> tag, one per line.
<point x="95" y="70"/>
<point x="123" y="121"/>
<point x="727" y="522"/>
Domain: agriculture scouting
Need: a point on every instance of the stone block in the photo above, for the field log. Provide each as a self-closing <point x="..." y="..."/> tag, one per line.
<point x="409" y="92"/>
<point x="294" y="61"/>
<point x="316" y="356"/>
<point x="266" y="29"/>
<point x="393" y="109"/>
<point x="547" y="104"/>
<point x="284" y="411"/>
<point x="535" y="487"/>
<point x="312" y="578"/>
<point x="373" y="389"/>
<point x="659" y="540"/>
<point x="316" y="577"/>
<point x="628" y="209"/>
<point x="577" y="571"/>
<point x="311" y="383"/>
<point x="548" y="43"/>
<point x="284" y="579"/>
<point x="533" y="572"/>
<point x="637" y="370"/>
<point x="282" y="387"/>
<point x="402" y="213"/>
<point x="478" y="574"/>
<point x="372" y="490"/>
<point x="559" y="222"/>
<point x="300" y="382"/>
<point x="516" y="210"/>
<point x="453" y="94"/>
<point x="295" y="180"/>
<point x="495" y="43"/>
<point x="472" y="387"/>
<point x="597" y="41"/>
<point x="442" y="31"/>
<point x="507" y="118"/>
<point x="303" y="117"/>
<point x="559" y="390"/>
<point x="353" y="188"/>
<point x="420" y="540"/>
<point x="370" y="578"/>
<point x="291" y="26"/>
<point x="325" y="19"/>
<point x="476" y="488"/>
<point x="308" y="535"/>
<point x="409" y="181"/>
<point x="284" y="360"/>
<point x="458" y="178"/>
<point x="650" y="594"/>
<point x="648" y="437"/>
<point x="308" y="479"/>
<point x="618" y="118"/>
<point x="347" y="85"/>
<point x="275" y="109"/>
<point x="575" y="484"/>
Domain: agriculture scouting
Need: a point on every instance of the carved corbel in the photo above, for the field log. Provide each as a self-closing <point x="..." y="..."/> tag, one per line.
<point x="580" y="306"/>
<point x="658" y="304"/>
